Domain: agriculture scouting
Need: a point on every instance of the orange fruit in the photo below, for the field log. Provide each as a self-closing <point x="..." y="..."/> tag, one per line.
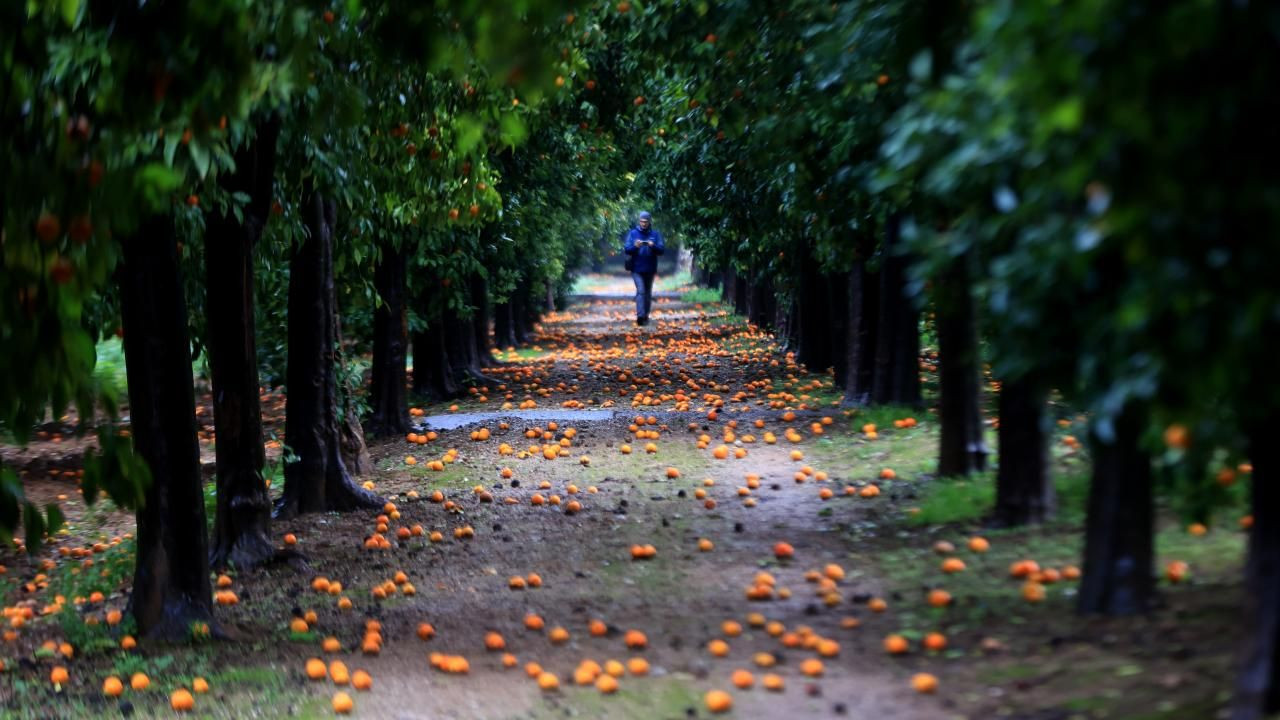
<point x="924" y="683"/>
<point x="935" y="641"/>
<point x="548" y="682"/>
<point x="361" y="680"/>
<point x="636" y="640"/>
<point x="1033" y="592"/>
<point x="342" y="703"/>
<point x="182" y="700"/>
<point x="139" y="681"/>
<point x="811" y="667"/>
<point x="112" y="687"/>
<point x="896" y="645"/>
<point x="718" y="701"/>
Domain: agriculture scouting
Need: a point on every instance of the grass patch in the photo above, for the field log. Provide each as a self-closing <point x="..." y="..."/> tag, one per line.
<point x="955" y="500"/>
<point x="669" y="697"/>
<point x="701" y="296"/>
<point x="882" y="416"/>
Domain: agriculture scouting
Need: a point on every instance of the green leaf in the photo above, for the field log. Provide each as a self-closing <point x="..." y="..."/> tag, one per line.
<point x="200" y="157"/>
<point x="70" y="11"/>
<point x="33" y="527"/>
<point x="1066" y="115"/>
<point x="55" y="517"/>
<point x="170" y="148"/>
<point x="513" y="130"/>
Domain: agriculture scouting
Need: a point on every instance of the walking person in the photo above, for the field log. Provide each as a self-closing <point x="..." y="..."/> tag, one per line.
<point x="643" y="246"/>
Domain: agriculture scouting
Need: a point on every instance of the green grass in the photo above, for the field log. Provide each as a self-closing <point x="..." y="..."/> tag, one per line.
<point x="701" y="296"/>
<point x="958" y="500"/>
<point x="665" y="697"/>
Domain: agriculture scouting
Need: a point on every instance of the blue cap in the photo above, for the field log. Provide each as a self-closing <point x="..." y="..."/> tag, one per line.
<point x="644" y="215"/>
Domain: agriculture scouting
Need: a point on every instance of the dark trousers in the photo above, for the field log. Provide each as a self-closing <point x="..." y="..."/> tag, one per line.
<point x="644" y="293"/>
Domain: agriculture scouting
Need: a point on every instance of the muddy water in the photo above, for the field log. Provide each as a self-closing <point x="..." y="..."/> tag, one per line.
<point x="453" y="421"/>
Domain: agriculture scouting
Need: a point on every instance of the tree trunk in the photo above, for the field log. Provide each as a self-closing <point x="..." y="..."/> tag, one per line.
<point x="242" y="524"/>
<point x="388" y="400"/>
<point x="740" y="289"/>
<point x="813" y="320"/>
<point x="171" y="587"/>
<point x="318" y="480"/>
<point x="836" y="298"/>
<point x="351" y="445"/>
<point x="504" y="329"/>
<point x="760" y="300"/>
<point x="860" y="334"/>
<point x="896" y="379"/>
<point x="355" y="452"/>
<point x="1024" y="490"/>
<point x="519" y="317"/>
<point x="1118" y="552"/>
<point x="434" y="376"/>
<point x="421" y="344"/>
<point x="962" y="448"/>
<point x="480" y="321"/>
<point x="1258" y="681"/>
<point x="729" y="291"/>
<point x="527" y="318"/>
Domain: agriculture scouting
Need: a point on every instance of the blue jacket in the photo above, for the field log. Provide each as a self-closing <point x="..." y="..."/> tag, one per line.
<point x="645" y="256"/>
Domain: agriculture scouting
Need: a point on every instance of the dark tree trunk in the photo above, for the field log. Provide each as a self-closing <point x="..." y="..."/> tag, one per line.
<point x="319" y="480"/>
<point x="242" y="525"/>
<point x="527" y="318"/>
<point x="351" y="445"/>
<point x="171" y="587"/>
<point x="480" y="321"/>
<point x="504" y="328"/>
<point x="551" y="297"/>
<point x="730" y="288"/>
<point x="1118" y="550"/>
<point x="1258" y="682"/>
<point x="760" y="301"/>
<point x="355" y="452"/>
<point x="465" y="361"/>
<point x="421" y="343"/>
<point x="813" y="316"/>
<point x="836" y="298"/>
<point x="1024" y="490"/>
<point x="860" y="334"/>
<point x="962" y="448"/>
<point x="740" y="290"/>
<point x="433" y="371"/>
<point x="520" y="316"/>
<point x="388" y="400"/>
<point x="896" y="379"/>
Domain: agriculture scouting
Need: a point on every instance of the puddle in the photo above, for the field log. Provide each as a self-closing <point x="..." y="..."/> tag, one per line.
<point x="453" y="421"/>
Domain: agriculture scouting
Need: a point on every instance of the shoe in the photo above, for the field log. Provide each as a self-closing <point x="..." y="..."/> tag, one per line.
<point x="642" y="321"/>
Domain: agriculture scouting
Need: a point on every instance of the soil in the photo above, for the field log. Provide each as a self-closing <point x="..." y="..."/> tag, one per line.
<point x="679" y="599"/>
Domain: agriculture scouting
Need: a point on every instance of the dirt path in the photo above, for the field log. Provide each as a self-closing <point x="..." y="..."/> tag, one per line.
<point x="680" y="598"/>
